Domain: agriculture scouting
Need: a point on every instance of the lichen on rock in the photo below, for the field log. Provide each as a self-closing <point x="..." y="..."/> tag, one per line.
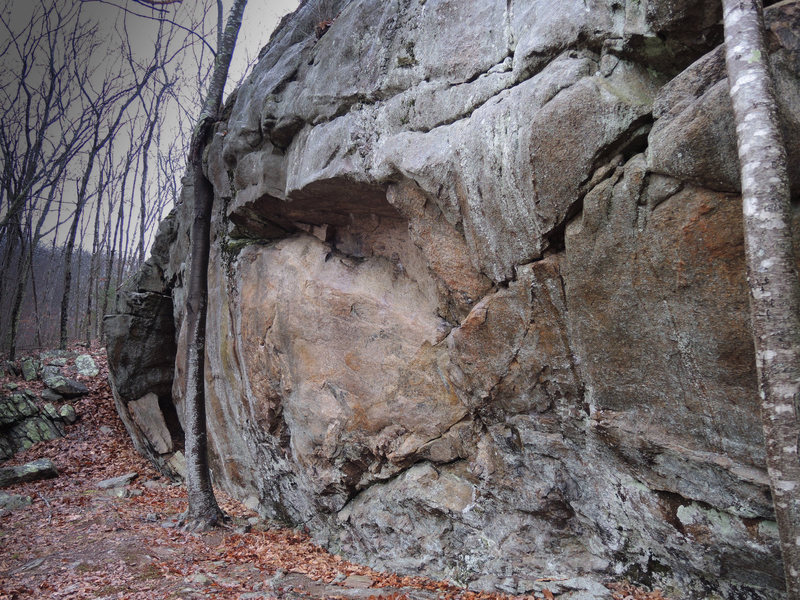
<point x="477" y="302"/>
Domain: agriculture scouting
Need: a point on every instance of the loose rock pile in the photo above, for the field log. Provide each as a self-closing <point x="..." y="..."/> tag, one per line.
<point x="28" y="417"/>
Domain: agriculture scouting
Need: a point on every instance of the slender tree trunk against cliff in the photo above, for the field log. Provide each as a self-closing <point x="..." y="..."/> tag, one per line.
<point x="771" y="266"/>
<point x="203" y="510"/>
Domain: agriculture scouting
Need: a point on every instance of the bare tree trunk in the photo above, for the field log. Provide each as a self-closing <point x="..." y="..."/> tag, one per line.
<point x="203" y="511"/>
<point x="153" y="117"/>
<point x="77" y="321"/>
<point x="19" y="291"/>
<point x="125" y="242"/>
<point x="36" y="314"/>
<point x="113" y="245"/>
<point x="771" y="266"/>
<point x="5" y="280"/>
<point x="68" y="250"/>
<point x="93" y="262"/>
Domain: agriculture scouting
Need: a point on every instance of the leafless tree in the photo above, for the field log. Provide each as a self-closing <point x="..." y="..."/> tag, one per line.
<point x="771" y="265"/>
<point x="203" y="511"/>
<point x="100" y="104"/>
<point x="40" y="133"/>
<point x="85" y="166"/>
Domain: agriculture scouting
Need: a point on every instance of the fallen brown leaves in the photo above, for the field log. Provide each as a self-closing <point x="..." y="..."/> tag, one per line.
<point x="626" y="591"/>
<point x="76" y="542"/>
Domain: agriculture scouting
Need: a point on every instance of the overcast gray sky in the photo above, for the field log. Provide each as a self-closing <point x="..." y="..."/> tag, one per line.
<point x="260" y="19"/>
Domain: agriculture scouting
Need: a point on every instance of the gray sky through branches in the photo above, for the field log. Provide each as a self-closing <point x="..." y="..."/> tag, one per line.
<point x="129" y="26"/>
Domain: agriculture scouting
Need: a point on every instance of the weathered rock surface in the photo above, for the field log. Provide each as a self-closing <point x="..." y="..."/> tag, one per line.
<point x="63" y="386"/>
<point x="9" y="502"/>
<point x="85" y="365"/>
<point x="30" y="368"/>
<point x="116" y="482"/>
<point x="141" y="355"/>
<point x="23" y="424"/>
<point x="33" y="471"/>
<point x="477" y="303"/>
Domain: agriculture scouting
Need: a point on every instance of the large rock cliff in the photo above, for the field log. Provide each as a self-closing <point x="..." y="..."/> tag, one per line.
<point x="478" y="305"/>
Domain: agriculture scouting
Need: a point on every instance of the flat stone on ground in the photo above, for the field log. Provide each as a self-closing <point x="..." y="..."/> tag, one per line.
<point x="50" y="396"/>
<point x="13" y="501"/>
<point x="32" y="471"/>
<point x="68" y="388"/>
<point x="358" y="581"/>
<point x="116" y="482"/>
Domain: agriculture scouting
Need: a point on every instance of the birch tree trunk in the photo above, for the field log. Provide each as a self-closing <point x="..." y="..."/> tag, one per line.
<point x="203" y="511"/>
<point x="771" y="265"/>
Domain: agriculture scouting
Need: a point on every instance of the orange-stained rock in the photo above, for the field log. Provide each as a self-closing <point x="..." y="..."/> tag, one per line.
<point x="477" y="302"/>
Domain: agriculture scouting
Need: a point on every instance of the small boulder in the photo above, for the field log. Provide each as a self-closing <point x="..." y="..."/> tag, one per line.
<point x="37" y="429"/>
<point x="68" y="414"/>
<point x="30" y="368"/>
<point x="116" y="482"/>
<point x="49" y="371"/>
<point x="13" y="501"/>
<point x="51" y="411"/>
<point x="48" y="355"/>
<point x="68" y="388"/>
<point x="51" y="396"/>
<point x="85" y="365"/>
<point x="58" y="362"/>
<point x="9" y="368"/>
<point x="32" y="471"/>
<point x="11" y="386"/>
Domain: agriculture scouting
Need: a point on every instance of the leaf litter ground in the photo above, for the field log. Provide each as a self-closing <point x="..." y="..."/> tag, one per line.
<point x="76" y="541"/>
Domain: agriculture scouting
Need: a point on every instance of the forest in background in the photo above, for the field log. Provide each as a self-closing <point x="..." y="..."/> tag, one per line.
<point x="97" y="103"/>
<point x="95" y="280"/>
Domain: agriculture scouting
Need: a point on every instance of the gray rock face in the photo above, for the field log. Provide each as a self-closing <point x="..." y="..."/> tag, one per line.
<point x="85" y="365"/>
<point x="477" y="303"/>
<point x="148" y="416"/>
<point x="22" y="424"/>
<point x="690" y="144"/>
<point x="9" y="502"/>
<point x="141" y="352"/>
<point x="29" y="367"/>
<point x="32" y="471"/>
<point x="116" y="482"/>
<point x="68" y="388"/>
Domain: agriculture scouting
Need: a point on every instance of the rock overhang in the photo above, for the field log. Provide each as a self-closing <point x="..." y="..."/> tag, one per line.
<point x="469" y="316"/>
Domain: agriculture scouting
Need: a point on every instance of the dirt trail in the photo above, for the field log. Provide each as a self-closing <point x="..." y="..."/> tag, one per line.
<point x="76" y="541"/>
